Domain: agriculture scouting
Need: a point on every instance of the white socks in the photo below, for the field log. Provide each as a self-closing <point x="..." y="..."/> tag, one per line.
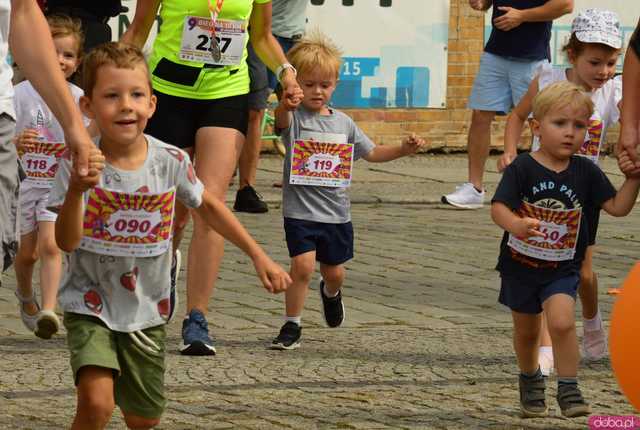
<point x="297" y="320"/>
<point x="327" y="293"/>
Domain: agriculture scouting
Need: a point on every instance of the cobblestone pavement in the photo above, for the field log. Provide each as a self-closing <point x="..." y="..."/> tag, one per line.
<point x="424" y="346"/>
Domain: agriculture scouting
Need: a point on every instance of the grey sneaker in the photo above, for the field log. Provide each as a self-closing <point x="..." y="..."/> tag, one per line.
<point x="532" y="398"/>
<point x="47" y="324"/>
<point x="465" y="197"/>
<point x="571" y="402"/>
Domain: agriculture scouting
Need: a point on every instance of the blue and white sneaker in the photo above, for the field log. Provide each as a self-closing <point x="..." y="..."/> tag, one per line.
<point x="195" y="335"/>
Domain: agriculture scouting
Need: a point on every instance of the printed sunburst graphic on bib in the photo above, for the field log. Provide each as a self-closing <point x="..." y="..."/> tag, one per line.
<point x="321" y="163"/>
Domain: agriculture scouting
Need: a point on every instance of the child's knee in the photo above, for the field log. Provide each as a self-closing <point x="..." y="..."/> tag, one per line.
<point x="49" y="249"/>
<point x="137" y="422"/>
<point x="302" y="267"/>
<point x="332" y="274"/>
<point x="95" y="407"/>
<point x="561" y="326"/>
<point x="27" y="255"/>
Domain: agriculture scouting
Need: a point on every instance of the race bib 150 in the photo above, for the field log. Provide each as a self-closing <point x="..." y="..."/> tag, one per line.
<point x="560" y="228"/>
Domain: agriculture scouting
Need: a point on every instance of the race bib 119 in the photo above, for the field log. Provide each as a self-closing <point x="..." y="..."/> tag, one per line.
<point x="128" y="225"/>
<point x="321" y="163"/>
<point x="560" y="228"/>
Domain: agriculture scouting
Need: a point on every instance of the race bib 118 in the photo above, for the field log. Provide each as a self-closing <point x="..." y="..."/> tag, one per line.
<point x="321" y="163"/>
<point x="40" y="162"/>
<point x="128" y="225"/>
<point x="560" y="228"/>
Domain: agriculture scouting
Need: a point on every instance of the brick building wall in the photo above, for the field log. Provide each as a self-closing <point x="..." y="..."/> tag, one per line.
<point x="444" y="129"/>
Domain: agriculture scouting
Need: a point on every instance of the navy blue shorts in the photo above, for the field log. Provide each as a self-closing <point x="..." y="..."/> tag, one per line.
<point x="333" y="243"/>
<point x="527" y="298"/>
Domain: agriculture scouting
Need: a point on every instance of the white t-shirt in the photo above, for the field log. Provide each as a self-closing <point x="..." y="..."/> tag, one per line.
<point x="6" y="73"/>
<point x="605" y="114"/>
<point x="32" y="112"/>
<point x="128" y="293"/>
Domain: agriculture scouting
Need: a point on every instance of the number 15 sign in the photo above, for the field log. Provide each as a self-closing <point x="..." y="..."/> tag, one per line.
<point x="321" y="164"/>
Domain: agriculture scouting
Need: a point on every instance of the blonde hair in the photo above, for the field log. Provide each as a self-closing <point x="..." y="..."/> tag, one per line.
<point x="316" y="52"/>
<point x="118" y="54"/>
<point x="559" y="95"/>
<point x="63" y="25"/>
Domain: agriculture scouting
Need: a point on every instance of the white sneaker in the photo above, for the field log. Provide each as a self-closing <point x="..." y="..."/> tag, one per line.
<point x="545" y="360"/>
<point x="465" y="197"/>
<point x="594" y="344"/>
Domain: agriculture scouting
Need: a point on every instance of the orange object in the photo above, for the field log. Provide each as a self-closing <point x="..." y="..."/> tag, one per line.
<point x="614" y="291"/>
<point x="623" y="337"/>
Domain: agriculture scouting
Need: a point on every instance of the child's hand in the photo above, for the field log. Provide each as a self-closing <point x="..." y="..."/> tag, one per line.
<point x="274" y="278"/>
<point x="411" y="144"/>
<point x="504" y="160"/>
<point x="26" y="140"/>
<point x="96" y="165"/>
<point x="291" y="98"/>
<point x="528" y="227"/>
<point x="627" y="166"/>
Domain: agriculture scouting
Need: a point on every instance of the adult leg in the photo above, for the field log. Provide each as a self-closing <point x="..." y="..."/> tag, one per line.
<point x="250" y="154"/>
<point x="95" y="398"/>
<point x="9" y="181"/>
<point x="216" y="154"/>
<point x="478" y="144"/>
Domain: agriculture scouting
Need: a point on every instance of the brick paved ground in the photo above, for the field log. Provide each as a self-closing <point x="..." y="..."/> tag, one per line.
<point x="425" y="344"/>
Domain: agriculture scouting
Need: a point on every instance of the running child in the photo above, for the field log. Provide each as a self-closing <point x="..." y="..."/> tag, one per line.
<point x="115" y="226"/>
<point x="39" y="141"/>
<point x="543" y="203"/>
<point x="322" y="144"/>
<point x="593" y="50"/>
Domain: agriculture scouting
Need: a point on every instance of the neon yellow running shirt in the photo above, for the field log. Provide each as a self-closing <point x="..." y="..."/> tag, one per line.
<point x="191" y="79"/>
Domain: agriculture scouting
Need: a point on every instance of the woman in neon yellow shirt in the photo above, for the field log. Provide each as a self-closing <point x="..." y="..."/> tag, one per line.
<point x="201" y="79"/>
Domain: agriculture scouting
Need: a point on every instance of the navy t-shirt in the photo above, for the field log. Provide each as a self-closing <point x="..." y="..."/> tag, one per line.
<point x="528" y="41"/>
<point x="581" y="185"/>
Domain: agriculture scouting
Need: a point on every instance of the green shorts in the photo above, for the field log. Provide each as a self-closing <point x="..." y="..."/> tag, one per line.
<point x="138" y="375"/>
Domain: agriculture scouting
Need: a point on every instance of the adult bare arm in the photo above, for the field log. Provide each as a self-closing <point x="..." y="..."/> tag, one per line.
<point x="549" y="11"/>
<point x="33" y="50"/>
<point x="630" y="115"/>
<point x="269" y="50"/>
<point x="138" y="31"/>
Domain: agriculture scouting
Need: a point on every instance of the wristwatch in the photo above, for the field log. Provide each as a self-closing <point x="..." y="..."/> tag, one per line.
<point x="282" y="67"/>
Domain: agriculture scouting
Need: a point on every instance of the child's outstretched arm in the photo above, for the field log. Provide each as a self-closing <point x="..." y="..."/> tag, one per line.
<point x="274" y="278"/>
<point x="509" y="221"/>
<point x="68" y="228"/>
<point x="410" y="145"/>
<point x="625" y="198"/>
<point x="515" y="125"/>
